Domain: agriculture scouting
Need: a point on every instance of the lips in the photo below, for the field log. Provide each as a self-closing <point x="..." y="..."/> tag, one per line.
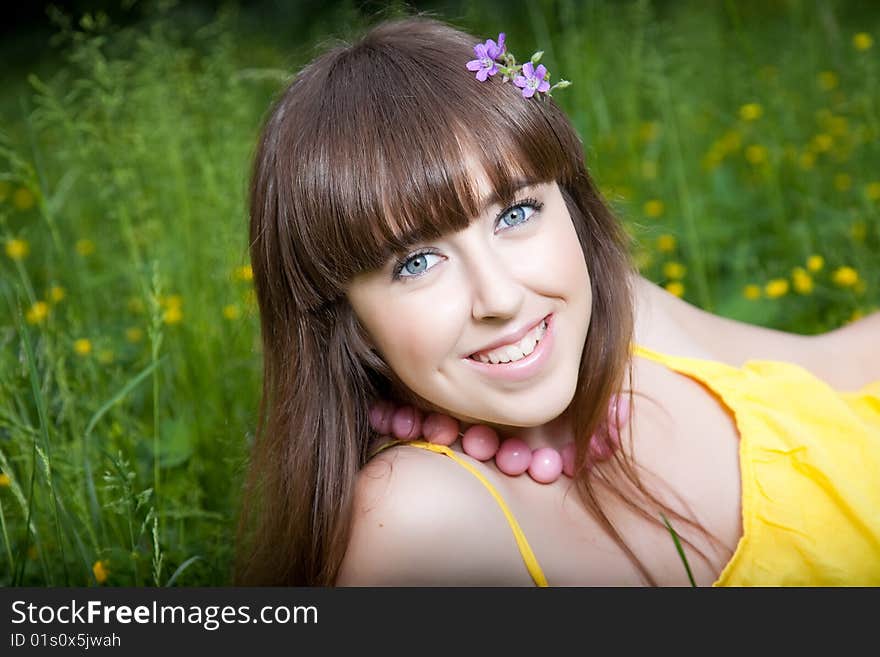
<point x="522" y="370"/>
<point x="510" y="338"/>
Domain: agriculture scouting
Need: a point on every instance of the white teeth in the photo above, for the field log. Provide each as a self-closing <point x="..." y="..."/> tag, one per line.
<point x="516" y="351"/>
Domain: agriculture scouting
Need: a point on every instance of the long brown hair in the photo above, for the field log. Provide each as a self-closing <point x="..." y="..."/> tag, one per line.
<point x="361" y="156"/>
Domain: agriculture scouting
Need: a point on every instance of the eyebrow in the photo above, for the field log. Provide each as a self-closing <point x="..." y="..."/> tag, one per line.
<point x="410" y="239"/>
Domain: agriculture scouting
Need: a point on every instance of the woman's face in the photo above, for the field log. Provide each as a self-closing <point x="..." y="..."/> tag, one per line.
<point x="509" y="269"/>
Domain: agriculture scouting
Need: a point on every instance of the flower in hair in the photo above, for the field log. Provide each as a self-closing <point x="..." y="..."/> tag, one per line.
<point x="485" y="64"/>
<point x="493" y="57"/>
<point x="533" y="80"/>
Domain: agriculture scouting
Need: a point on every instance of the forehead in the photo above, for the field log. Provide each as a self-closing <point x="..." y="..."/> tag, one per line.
<point x="427" y="203"/>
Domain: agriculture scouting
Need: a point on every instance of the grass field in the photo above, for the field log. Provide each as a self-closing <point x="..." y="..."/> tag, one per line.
<point x="739" y="142"/>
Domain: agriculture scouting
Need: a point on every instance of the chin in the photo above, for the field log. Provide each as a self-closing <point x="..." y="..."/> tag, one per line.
<point x="526" y="415"/>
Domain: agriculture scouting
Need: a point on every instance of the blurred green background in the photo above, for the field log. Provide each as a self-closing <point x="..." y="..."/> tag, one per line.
<point x="737" y="141"/>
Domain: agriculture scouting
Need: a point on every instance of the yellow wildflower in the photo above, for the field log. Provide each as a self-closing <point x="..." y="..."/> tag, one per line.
<point x="859" y="231"/>
<point x="756" y="154"/>
<point x="82" y="346"/>
<point x="105" y="356"/>
<point x="250" y="298"/>
<point x="171" y="301"/>
<point x="838" y="126"/>
<point x="23" y="199"/>
<point x="4" y="480"/>
<point x="17" y="249"/>
<point x="653" y="208"/>
<point x="803" y="282"/>
<point x="4" y="190"/>
<point x="666" y="243"/>
<point x="857" y="314"/>
<point x="815" y="263"/>
<point x="842" y="182"/>
<point x="85" y="247"/>
<point x="862" y="41"/>
<point x="807" y="160"/>
<point x="752" y="291"/>
<point x="100" y="571"/>
<point x="172" y="315"/>
<point x="750" y="111"/>
<point x="56" y="293"/>
<point x="231" y="311"/>
<point x="649" y="169"/>
<point x="845" y="276"/>
<point x="37" y="312"/>
<point x="676" y="288"/>
<point x="134" y="334"/>
<point x="731" y="140"/>
<point x="872" y="191"/>
<point x="674" y="270"/>
<point x="822" y="142"/>
<point x="776" y="288"/>
<point x="244" y="273"/>
<point x="827" y="80"/>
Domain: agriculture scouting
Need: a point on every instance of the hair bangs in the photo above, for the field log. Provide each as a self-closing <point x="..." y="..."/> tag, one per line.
<point x="392" y="146"/>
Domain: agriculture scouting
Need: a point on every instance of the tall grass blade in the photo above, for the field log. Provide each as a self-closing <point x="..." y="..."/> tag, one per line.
<point x="680" y="550"/>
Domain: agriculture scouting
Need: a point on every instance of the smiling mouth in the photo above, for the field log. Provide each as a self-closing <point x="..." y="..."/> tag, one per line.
<point x="516" y="351"/>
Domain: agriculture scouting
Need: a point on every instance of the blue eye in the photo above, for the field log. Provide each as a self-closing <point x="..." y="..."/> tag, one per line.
<point x="515" y="215"/>
<point x="416" y="259"/>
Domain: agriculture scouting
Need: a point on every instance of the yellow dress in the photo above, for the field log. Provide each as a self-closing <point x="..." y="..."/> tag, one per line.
<point x="810" y="469"/>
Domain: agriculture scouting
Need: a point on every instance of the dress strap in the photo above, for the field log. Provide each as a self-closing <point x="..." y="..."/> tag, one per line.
<point x="650" y="354"/>
<point x="528" y="556"/>
<point x="714" y="374"/>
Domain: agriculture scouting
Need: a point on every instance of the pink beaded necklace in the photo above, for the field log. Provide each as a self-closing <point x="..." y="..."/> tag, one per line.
<point x="512" y="455"/>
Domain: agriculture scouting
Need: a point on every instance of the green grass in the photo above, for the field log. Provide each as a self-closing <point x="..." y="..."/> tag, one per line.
<point x="125" y="172"/>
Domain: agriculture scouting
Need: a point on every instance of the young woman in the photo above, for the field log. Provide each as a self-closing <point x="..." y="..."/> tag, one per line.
<point x="410" y="221"/>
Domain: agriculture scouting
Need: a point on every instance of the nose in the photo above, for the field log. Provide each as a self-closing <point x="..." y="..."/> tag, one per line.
<point x="497" y="290"/>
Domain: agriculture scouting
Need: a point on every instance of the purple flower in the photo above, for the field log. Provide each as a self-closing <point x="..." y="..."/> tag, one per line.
<point x="485" y="64"/>
<point x="533" y="80"/>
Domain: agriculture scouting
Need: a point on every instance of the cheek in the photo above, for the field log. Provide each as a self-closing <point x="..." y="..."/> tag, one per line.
<point x="557" y="260"/>
<point x="416" y="337"/>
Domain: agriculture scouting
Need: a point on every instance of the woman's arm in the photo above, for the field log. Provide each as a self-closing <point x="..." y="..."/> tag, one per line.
<point x="854" y="350"/>
<point x="846" y="358"/>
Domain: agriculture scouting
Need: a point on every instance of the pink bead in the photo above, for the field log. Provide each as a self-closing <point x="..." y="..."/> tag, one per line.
<point x="546" y="465"/>
<point x="480" y="441"/>
<point x="613" y="436"/>
<point x="568" y="455"/>
<point x="599" y="448"/>
<point x="513" y="457"/>
<point x="440" y="429"/>
<point x="406" y="423"/>
<point x="381" y="413"/>
<point x="618" y="410"/>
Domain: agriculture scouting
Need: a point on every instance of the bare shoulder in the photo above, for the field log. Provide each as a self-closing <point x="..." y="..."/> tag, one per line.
<point x="735" y="342"/>
<point x="420" y="519"/>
